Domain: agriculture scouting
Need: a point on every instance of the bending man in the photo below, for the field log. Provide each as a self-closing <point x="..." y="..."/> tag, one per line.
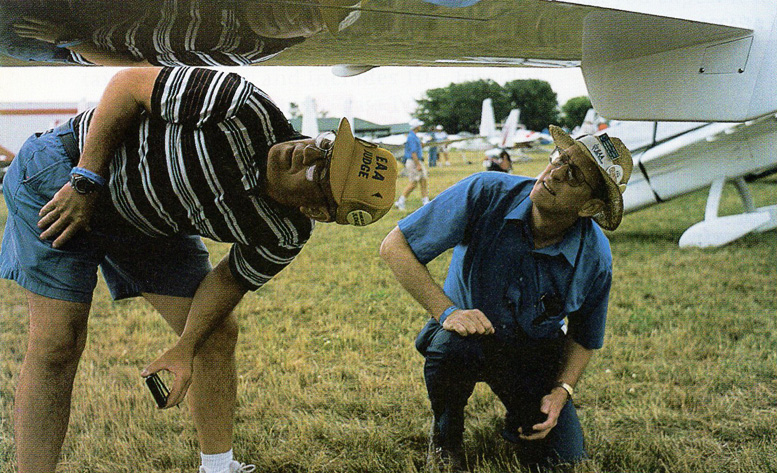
<point x="168" y="155"/>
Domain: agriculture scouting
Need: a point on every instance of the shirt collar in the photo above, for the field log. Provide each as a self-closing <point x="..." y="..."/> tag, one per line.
<point x="568" y="246"/>
<point x="521" y="212"/>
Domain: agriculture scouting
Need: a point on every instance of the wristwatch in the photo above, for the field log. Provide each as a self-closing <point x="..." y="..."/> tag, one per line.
<point x="83" y="185"/>
<point x="566" y="387"/>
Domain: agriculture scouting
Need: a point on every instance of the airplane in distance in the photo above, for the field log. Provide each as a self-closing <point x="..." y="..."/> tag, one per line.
<point x="489" y="139"/>
<point x="513" y="134"/>
<point x="686" y="60"/>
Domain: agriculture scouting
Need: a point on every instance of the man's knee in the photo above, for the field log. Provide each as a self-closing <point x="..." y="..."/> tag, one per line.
<point x="57" y="334"/>
<point x="449" y="349"/>
<point x="56" y="351"/>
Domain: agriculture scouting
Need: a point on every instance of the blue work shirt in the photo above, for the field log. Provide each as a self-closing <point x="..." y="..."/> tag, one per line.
<point x="413" y="145"/>
<point x="485" y="218"/>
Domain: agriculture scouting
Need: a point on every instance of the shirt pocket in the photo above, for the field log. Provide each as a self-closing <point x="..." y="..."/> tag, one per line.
<point x="549" y="311"/>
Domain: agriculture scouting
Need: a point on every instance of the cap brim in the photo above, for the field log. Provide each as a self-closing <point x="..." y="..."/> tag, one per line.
<point x="343" y="146"/>
<point x="560" y="137"/>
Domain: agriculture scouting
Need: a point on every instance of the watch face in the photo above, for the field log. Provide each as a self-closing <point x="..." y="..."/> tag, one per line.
<point x="82" y="184"/>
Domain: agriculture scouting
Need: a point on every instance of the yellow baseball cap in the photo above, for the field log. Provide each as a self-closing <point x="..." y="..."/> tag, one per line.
<point x="363" y="178"/>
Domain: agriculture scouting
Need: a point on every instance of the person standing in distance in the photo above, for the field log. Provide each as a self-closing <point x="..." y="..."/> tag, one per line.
<point x="417" y="174"/>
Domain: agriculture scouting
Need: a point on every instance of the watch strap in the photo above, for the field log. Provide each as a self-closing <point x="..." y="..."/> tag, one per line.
<point x="446" y="313"/>
<point x="566" y="387"/>
<point x="92" y="176"/>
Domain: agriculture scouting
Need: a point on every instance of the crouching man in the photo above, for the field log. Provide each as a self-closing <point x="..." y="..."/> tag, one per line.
<point x="525" y="300"/>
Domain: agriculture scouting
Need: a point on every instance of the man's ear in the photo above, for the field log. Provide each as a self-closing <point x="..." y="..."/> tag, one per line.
<point x="592" y="207"/>
<point x="320" y="214"/>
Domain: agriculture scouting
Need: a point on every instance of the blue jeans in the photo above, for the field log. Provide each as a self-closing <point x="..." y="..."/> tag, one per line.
<point x="519" y="370"/>
<point x="132" y="263"/>
<point x="432" y="156"/>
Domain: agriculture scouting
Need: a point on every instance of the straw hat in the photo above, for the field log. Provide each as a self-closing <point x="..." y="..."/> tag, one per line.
<point x="614" y="163"/>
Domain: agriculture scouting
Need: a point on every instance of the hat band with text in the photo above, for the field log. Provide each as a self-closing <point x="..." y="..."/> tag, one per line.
<point x="605" y="156"/>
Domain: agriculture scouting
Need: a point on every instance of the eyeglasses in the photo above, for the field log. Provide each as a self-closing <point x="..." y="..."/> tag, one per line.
<point x="574" y="175"/>
<point x="322" y="146"/>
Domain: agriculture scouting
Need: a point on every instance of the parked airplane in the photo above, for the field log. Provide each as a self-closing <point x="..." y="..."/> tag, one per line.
<point x="489" y="139"/>
<point x="674" y="158"/>
<point x="512" y="138"/>
<point x="708" y="60"/>
<point x="310" y="117"/>
<point x="513" y="133"/>
<point x="701" y="60"/>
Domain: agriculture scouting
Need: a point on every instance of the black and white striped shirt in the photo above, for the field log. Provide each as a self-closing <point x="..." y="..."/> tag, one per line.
<point x="188" y="32"/>
<point x="195" y="165"/>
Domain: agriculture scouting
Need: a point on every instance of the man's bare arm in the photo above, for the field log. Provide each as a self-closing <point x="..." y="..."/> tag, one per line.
<point x="216" y="297"/>
<point x="575" y="359"/>
<point x="127" y="95"/>
<point x="416" y="279"/>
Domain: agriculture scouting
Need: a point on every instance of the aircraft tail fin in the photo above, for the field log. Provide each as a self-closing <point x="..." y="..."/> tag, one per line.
<point x="510" y="129"/>
<point x="309" y="118"/>
<point x="487" y="122"/>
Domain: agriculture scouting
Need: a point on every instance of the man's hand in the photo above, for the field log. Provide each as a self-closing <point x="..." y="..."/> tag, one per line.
<point x="468" y="322"/>
<point x="42" y="30"/>
<point x="67" y="213"/>
<point x="177" y="360"/>
<point x="551" y="404"/>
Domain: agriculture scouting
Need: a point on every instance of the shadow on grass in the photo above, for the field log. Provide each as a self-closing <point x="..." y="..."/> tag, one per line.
<point x="673" y="237"/>
<point x="643" y="237"/>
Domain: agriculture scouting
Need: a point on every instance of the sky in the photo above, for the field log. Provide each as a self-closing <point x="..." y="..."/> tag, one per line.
<point x="384" y="95"/>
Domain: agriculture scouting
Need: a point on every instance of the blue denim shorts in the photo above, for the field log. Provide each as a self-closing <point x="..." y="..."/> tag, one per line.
<point x="131" y="262"/>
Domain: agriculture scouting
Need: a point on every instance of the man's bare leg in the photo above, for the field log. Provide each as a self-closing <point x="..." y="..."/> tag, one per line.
<point x="408" y="189"/>
<point x="212" y="396"/>
<point x="42" y="407"/>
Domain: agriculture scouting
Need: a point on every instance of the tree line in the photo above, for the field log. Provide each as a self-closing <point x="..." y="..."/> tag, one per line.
<point x="457" y="107"/>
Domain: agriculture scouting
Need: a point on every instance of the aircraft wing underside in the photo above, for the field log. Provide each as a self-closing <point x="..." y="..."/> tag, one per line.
<point x="706" y="60"/>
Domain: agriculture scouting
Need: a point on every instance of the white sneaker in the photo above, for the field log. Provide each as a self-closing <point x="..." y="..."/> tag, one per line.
<point x="234" y="467"/>
<point x="237" y="467"/>
<point x="425" y="201"/>
<point x="399" y="205"/>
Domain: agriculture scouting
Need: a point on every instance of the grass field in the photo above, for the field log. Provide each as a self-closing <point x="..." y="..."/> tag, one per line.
<point x="330" y="381"/>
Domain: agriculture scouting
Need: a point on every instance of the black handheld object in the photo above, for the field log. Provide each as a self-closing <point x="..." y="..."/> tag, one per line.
<point x="531" y="418"/>
<point x="158" y="390"/>
<point x="529" y="414"/>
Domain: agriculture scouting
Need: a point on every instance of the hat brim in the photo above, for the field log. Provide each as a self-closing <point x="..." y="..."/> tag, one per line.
<point x="612" y="213"/>
<point x="343" y="145"/>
